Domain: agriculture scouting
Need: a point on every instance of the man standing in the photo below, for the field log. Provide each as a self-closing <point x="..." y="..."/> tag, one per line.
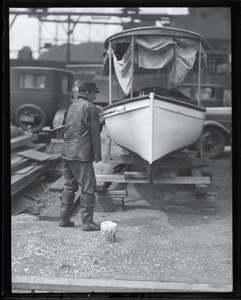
<point x="81" y="147"/>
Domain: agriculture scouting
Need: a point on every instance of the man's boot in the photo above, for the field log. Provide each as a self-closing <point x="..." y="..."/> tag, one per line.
<point x="87" y="212"/>
<point x="67" y="200"/>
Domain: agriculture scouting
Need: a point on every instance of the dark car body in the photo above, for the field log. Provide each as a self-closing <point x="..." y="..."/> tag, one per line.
<point x="218" y="128"/>
<point x="218" y="118"/>
<point x="212" y="95"/>
<point x="39" y="96"/>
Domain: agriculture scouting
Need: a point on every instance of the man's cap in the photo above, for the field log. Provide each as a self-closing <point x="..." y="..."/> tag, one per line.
<point x="84" y="86"/>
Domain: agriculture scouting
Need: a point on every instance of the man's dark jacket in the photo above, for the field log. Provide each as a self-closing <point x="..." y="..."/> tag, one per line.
<point x="82" y="132"/>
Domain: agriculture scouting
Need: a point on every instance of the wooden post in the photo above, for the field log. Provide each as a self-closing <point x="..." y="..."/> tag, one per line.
<point x="108" y="232"/>
<point x="199" y="74"/>
<point x="132" y="63"/>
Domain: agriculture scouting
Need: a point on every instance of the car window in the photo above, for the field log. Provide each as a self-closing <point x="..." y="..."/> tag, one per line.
<point x="32" y="81"/>
<point x="206" y="93"/>
<point x="65" y="83"/>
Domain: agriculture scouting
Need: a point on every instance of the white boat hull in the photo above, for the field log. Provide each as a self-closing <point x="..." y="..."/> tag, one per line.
<point x="153" y="128"/>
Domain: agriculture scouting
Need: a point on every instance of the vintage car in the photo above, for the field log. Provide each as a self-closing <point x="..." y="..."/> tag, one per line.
<point x="212" y="95"/>
<point x="218" y="120"/>
<point x="39" y="96"/>
<point x="218" y="130"/>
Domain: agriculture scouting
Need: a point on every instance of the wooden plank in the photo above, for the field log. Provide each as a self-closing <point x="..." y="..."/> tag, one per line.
<point x="58" y="185"/>
<point x="22" y="140"/>
<point x="37" y="155"/>
<point x="16" y="160"/>
<point x="19" y="179"/>
<point x="143" y="175"/>
<point x="24" y="162"/>
<point x="77" y="285"/>
<point x="19" y="182"/>
<point x="134" y="174"/>
<point x="176" y="180"/>
<point x="27" y="183"/>
<point x="118" y="193"/>
<point x="52" y="212"/>
<point x="25" y="170"/>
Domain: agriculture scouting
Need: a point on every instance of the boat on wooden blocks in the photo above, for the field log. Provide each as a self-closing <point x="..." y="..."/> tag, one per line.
<point x="148" y="114"/>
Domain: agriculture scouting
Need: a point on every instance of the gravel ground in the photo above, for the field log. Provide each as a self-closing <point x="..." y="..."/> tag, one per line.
<point x="151" y="244"/>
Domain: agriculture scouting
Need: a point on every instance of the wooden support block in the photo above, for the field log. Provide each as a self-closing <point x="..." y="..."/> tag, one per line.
<point x="188" y="202"/>
<point x="207" y="173"/>
<point x="199" y="188"/>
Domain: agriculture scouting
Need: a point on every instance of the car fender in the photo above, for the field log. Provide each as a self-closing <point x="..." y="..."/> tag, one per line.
<point x="217" y="125"/>
<point x="59" y="118"/>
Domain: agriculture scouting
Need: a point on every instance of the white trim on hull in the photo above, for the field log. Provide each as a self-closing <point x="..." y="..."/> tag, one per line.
<point x="153" y="128"/>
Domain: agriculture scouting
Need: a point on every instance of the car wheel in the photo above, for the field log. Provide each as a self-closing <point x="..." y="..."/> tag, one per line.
<point x="29" y="116"/>
<point x="213" y="145"/>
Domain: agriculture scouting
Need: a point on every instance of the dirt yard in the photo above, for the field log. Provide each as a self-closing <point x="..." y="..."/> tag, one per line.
<point x="151" y="245"/>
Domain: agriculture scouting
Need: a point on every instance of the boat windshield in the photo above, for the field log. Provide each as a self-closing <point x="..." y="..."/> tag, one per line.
<point x="153" y="60"/>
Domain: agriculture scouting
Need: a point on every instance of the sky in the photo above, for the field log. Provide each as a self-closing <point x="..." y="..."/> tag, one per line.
<point x="24" y="31"/>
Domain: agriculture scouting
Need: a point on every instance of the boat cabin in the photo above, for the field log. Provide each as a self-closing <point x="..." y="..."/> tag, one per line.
<point x="157" y="59"/>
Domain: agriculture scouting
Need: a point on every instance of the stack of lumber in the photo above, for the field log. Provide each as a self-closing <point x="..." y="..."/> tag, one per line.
<point x="22" y="140"/>
<point x="28" y="163"/>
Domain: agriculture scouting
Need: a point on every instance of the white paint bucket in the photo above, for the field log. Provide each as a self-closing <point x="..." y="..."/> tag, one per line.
<point x="108" y="231"/>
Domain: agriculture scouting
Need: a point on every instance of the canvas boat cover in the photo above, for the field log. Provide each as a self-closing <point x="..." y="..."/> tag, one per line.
<point x="155" y="52"/>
